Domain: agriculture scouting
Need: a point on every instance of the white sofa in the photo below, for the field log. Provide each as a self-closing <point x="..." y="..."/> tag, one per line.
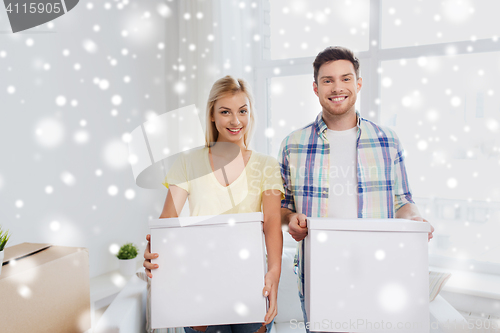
<point x="127" y="312"/>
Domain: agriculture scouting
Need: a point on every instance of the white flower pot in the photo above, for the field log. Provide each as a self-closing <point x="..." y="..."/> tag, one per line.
<point x="1" y="261"/>
<point x="127" y="266"/>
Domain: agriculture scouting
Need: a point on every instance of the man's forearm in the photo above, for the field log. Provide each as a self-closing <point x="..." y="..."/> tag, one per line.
<point x="285" y="212"/>
<point x="408" y="211"/>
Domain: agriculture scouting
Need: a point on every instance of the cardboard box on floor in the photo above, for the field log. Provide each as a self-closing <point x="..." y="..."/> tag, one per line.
<point x="45" y="288"/>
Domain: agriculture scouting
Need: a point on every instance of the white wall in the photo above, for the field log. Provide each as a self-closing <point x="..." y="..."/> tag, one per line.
<point x="87" y="215"/>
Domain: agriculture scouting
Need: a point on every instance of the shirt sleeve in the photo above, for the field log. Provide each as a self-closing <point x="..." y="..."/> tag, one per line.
<point x="177" y="175"/>
<point x="283" y="159"/>
<point x="272" y="177"/>
<point x="402" y="191"/>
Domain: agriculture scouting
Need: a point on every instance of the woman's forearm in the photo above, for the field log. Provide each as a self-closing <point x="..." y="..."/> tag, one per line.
<point x="274" y="244"/>
<point x="271" y="206"/>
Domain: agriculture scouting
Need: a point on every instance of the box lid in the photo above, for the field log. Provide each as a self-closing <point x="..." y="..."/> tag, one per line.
<point x="395" y="225"/>
<point x="22" y="250"/>
<point x="206" y="220"/>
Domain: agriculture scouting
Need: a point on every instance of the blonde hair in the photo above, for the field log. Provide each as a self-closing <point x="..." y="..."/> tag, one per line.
<point x="222" y="87"/>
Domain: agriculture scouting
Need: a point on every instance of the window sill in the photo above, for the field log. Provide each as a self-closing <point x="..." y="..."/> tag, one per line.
<point x="471" y="283"/>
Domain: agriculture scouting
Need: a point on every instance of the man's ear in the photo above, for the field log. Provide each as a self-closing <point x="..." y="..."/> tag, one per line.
<point x="360" y="83"/>
<point x="315" y="88"/>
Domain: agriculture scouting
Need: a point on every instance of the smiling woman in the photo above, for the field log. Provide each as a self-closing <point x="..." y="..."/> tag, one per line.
<point x="230" y="116"/>
<point x="229" y="108"/>
<point x="225" y="177"/>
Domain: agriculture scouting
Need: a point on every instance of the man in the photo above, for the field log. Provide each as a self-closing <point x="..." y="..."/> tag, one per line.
<point x="341" y="165"/>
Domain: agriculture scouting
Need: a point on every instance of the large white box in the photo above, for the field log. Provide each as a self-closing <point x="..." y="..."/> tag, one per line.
<point x="211" y="270"/>
<point x="367" y="275"/>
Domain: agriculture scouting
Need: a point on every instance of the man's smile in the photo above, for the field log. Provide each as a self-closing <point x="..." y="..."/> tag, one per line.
<point x="337" y="99"/>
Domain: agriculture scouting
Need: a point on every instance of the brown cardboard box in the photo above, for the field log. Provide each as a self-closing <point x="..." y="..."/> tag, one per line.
<point x="44" y="288"/>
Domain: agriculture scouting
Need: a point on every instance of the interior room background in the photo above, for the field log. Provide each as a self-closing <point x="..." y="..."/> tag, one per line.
<point x="73" y="89"/>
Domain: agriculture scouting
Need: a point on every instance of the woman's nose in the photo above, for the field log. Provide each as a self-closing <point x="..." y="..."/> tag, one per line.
<point x="235" y="120"/>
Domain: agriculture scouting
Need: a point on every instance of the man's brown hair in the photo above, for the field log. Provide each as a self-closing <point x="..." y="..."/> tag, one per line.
<point x="333" y="53"/>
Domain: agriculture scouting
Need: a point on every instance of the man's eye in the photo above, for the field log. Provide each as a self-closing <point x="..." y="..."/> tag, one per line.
<point x="327" y="81"/>
<point x="347" y="79"/>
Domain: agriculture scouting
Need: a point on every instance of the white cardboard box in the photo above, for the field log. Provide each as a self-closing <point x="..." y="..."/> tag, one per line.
<point x="367" y="275"/>
<point x="211" y="270"/>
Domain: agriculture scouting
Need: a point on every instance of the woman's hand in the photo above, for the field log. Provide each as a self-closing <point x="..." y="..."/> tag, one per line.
<point x="147" y="258"/>
<point x="270" y="291"/>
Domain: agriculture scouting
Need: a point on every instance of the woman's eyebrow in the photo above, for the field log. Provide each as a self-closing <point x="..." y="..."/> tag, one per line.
<point x="225" y="107"/>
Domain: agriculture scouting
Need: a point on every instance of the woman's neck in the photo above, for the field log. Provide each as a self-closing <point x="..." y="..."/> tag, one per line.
<point x="224" y="148"/>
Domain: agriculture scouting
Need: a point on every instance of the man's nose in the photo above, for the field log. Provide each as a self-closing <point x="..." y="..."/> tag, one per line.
<point x="336" y="87"/>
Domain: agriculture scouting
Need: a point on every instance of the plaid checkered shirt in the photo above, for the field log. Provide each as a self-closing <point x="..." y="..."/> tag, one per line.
<point x="305" y="163"/>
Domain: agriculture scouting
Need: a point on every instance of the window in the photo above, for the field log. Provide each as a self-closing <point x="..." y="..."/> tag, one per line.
<point x="417" y="22"/>
<point x="301" y="28"/>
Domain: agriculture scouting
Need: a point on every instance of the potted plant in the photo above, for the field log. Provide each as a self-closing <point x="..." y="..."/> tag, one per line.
<point x="4" y="238"/>
<point x="127" y="261"/>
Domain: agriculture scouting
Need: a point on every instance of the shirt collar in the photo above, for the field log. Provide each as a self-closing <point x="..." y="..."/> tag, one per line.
<point x="321" y="127"/>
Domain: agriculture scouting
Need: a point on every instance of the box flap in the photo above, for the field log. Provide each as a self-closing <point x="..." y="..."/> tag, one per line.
<point x="34" y="260"/>
<point x="206" y="220"/>
<point x="388" y="225"/>
<point x="22" y="250"/>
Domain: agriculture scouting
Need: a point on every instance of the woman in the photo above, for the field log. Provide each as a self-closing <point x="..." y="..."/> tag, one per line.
<point x="226" y="177"/>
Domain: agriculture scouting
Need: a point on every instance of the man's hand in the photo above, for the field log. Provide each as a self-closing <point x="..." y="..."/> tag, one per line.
<point x="410" y="212"/>
<point x="297" y="226"/>
<point x="418" y="218"/>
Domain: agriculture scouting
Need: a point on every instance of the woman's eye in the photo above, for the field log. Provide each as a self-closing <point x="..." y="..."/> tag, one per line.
<point x="225" y="112"/>
<point x="243" y="111"/>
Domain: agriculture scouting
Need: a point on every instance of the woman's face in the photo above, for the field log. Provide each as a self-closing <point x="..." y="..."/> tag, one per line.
<point x="231" y="117"/>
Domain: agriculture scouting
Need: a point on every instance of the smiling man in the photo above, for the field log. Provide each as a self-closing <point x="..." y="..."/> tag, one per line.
<point x="341" y="165"/>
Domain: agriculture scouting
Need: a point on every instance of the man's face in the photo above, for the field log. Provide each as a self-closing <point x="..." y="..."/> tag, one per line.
<point x="337" y="87"/>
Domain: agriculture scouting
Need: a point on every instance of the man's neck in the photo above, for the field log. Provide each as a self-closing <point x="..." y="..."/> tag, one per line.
<point x="342" y="122"/>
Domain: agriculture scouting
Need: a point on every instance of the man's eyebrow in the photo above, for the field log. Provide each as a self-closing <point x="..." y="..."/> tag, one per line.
<point x="331" y="77"/>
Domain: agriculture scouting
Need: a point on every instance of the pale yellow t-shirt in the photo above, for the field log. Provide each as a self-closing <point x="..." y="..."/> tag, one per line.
<point x="193" y="173"/>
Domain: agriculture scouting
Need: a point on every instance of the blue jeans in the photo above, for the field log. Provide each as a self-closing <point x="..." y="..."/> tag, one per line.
<point x="303" y="306"/>
<point x="232" y="328"/>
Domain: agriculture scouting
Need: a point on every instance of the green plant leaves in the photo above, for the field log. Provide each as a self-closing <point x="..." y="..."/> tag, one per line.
<point x="127" y="251"/>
